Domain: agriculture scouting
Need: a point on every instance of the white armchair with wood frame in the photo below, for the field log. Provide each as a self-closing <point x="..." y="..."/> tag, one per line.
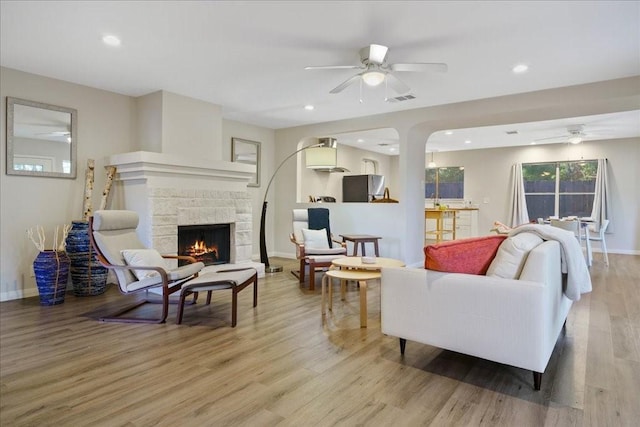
<point x="312" y="246"/>
<point x="140" y="269"/>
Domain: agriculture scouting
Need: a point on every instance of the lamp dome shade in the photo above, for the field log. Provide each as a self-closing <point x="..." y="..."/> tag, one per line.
<point x="321" y="157"/>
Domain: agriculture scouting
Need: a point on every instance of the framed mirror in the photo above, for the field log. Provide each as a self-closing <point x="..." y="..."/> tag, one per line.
<point x="248" y="152"/>
<point x="41" y="139"/>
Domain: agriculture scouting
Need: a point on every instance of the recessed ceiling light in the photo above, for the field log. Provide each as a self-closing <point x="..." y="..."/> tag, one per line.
<point x="520" y="68"/>
<point x="448" y="132"/>
<point x="309" y="107"/>
<point x="360" y="140"/>
<point x="533" y="143"/>
<point x="467" y="142"/>
<point x="111" y="40"/>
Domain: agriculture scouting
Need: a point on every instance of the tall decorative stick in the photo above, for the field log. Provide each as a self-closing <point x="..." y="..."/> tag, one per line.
<point x="40" y="243"/>
<point x="65" y="233"/>
<point x="111" y="171"/>
<point x="55" y="239"/>
<point x="88" y="189"/>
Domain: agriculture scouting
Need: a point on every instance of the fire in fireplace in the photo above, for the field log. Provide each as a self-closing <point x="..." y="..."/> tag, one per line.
<point x="210" y="244"/>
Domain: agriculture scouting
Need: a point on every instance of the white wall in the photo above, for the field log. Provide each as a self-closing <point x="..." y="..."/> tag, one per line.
<point x="105" y="126"/>
<point x="149" y="123"/>
<point x="487" y="173"/>
<point x="266" y="137"/>
<point x="191" y="127"/>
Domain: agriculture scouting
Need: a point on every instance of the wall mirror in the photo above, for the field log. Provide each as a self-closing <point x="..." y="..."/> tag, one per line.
<point x="41" y="139"/>
<point x="248" y="152"/>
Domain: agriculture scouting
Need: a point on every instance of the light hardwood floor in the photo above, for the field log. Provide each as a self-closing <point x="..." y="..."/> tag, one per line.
<point x="282" y="365"/>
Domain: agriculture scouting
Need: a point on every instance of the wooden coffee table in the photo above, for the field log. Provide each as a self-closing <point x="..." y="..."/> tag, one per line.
<point x="352" y="268"/>
<point x="361" y="276"/>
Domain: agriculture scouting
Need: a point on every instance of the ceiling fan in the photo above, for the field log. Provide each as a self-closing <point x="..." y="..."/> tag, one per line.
<point x="575" y="135"/>
<point x="376" y="70"/>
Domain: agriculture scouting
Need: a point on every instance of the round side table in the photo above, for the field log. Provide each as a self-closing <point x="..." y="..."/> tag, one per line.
<point x="361" y="276"/>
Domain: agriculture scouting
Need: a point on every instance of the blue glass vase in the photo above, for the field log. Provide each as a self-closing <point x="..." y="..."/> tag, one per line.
<point x="52" y="273"/>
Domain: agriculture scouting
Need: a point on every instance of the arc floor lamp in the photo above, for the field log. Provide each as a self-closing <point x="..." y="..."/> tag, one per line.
<point x="264" y="257"/>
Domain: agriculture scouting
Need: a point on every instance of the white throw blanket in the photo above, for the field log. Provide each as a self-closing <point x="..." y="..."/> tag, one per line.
<point x="571" y="257"/>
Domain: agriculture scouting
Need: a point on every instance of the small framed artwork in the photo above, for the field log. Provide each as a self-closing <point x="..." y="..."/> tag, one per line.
<point x="247" y="152"/>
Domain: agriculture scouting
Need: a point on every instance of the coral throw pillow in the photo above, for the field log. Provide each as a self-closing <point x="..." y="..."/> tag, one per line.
<point x="470" y="256"/>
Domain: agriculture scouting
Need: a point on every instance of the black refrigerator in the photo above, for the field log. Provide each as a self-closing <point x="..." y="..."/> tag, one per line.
<point x="362" y="188"/>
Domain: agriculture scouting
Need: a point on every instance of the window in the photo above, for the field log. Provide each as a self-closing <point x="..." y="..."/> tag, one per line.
<point x="560" y="188"/>
<point x="28" y="167"/>
<point x="444" y="183"/>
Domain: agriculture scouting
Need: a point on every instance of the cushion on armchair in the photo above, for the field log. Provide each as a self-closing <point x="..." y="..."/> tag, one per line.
<point x="143" y="258"/>
<point x="470" y="256"/>
<point x="315" y="239"/>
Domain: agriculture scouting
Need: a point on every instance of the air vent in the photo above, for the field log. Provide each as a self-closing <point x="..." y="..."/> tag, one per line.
<point x="383" y="144"/>
<point x="511" y="132"/>
<point x="401" y="98"/>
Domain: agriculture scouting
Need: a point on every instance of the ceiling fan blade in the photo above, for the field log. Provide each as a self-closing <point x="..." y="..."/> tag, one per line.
<point x="346" y="83"/>
<point x="420" y="67"/>
<point x="397" y="85"/>
<point x="334" y="67"/>
<point x="552" y="137"/>
<point x="377" y="53"/>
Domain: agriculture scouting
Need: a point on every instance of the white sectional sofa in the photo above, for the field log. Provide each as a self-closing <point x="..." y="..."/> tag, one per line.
<point x="515" y="322"/>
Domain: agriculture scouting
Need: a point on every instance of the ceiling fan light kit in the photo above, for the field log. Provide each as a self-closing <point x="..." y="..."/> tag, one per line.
<point x="373" y="78"/>
<point x="375" y="70"/>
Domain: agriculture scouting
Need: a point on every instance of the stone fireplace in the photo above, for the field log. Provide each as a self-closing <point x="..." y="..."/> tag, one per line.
<point x="169" y="192"/>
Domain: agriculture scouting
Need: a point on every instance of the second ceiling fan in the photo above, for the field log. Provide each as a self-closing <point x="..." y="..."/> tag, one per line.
<point x="376" y="70"/>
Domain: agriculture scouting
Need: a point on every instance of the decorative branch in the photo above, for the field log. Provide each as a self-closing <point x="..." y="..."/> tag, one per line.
<point x="88" y="189"/>
<point x="111" y="171"/>
<point x="40" y="243"/>
<point x="65" y="233"/>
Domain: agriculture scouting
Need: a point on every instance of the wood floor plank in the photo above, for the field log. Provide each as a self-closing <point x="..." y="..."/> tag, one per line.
<point x="284" y="365"/>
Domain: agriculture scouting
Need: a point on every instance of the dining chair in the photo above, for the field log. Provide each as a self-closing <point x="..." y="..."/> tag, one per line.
<point x="599" y="237"/>
<point x="570" y="225"/>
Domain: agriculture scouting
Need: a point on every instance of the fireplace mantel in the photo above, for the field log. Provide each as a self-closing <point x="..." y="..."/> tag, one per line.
<point x="143" y="165"/>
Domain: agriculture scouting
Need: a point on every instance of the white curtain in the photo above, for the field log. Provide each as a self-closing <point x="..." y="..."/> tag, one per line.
<point x="601" y="204"/>
<point x="519" y="214"/>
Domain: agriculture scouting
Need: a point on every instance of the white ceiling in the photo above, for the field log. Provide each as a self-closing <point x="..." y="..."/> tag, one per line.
<point x="249" y="57"/>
